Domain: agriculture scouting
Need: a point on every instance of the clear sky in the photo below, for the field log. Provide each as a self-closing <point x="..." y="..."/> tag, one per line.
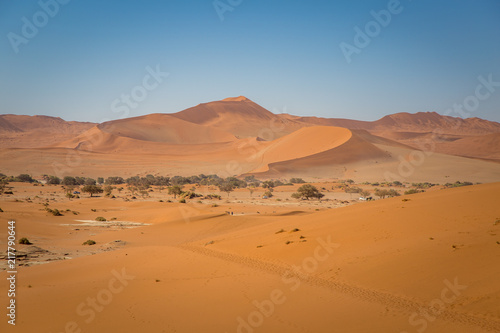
<point x="78" y="61"/>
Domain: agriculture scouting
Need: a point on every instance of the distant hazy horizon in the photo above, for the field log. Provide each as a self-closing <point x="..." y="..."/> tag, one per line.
<point x="94" y="61"/>
<point x="280" y="111"/>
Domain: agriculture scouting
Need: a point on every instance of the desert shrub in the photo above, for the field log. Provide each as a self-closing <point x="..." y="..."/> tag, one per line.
<point x="190" y="195"/>
<point x="268" y="194"/>
<point x="107" y="190"/>
<point x="307" y="191"/>
<point x="92" y="189"/>
<point x="25" y="241"/>
<point x="100" y="218"/>
<point x="54" y="211"/>
<point x="25" y="178"/>
<point x="52" y="180"/>
<point x="89" y="242"/>
<point x="353" y="190"/>
<point x="112" y="181"/>
<point x="393" y="193"/>
<point x="268" y="184"/>
<point x="182" y="201"/>
<point x="227" y="187"/>
<point x="1" y="210"/>
<point x="8" y="192"/>
<point x="297" y="181"/>
<point x="413" y="191"/>
<point x="212" y="196"/>
<point x="458" y="184"/>
<point x="175" y="190"/>
<point x="386" y="193"/>
<point x="423" y="185"/>
<point x="68" y="180"/>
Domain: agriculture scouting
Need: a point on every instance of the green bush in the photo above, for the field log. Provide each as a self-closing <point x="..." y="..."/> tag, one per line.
<point x="100" y="218"/>
<point x="25" y="241"/>
<point x="89" y="242"/>
<point x="54" y="211"/>
<point x="413" y="191"/>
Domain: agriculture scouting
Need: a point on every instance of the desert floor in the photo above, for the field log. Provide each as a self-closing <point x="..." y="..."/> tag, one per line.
<point x="426" y="262"/>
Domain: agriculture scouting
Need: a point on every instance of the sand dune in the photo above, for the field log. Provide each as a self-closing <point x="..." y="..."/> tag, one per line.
<point x="306" y="150"/>
<point x="377" y="266"/>
<point x="304" y="142"/>
<point x="165" y="128"/>
<point x="37" y="131"/>
<point x="476" y="146"/>
<point x="241" y="117"/>
<point x="420" y="122"/>
<point x="236" y="136"/>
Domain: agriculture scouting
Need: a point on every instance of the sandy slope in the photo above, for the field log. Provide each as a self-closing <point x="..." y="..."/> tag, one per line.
<point x="357" y="158"/>
<point x="236" y="136"/>
<point x="37" y="131"/>
<point x="241" y="117"/>
<point x="387" y="262"/>
<point x="302" y="143"/>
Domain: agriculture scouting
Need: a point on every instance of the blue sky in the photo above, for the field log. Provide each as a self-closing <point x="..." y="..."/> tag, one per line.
<point x="284" y="55"/>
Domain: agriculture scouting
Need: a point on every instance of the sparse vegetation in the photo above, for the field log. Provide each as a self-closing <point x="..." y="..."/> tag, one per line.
<point x="24" y="241"/>
<point x="89" y="242"/>
<point x="268" y="193"/>
<point x="413" y="191"/>
<point x="54" y="211"/>
<point x="100" y="219"/>
<point x="307" y="191"/>
<point x="92" y="189"/>
<point x="386" y="193"/>
<point x="297" y="181"/>
<point x="458" y="184"/>
<point x="227" y="187"/>
<point x="175" y="190"/>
